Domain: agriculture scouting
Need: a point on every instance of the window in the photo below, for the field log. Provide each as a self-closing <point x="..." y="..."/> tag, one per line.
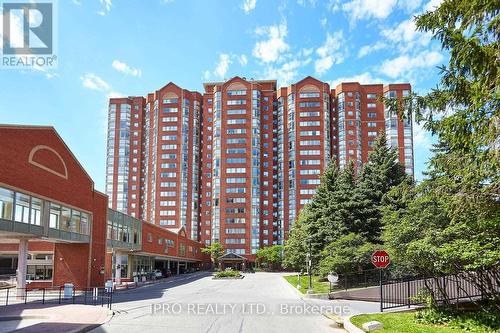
<point x="236" y="112"/>
<point x="372" y="124"/>
<point x="236" y="121"/>
<point x="235" y="220"/>
<point x="36" y="211"/>
<point x="309" y="133"/>
<point x="235" y="240"/>
<point x="309" y="114"/>
<point x="372" y="133"/>
<point x="170" y="110"/>
<point x="239" y="210"/>
<point x="236" y="102"/>
<point x="54" y="216"/>
<point x="167" y="222"/>
<point x="309" y="95"/>
<point x="309" y="123"/>
<point x="236" y="92"/>
<point x="310" y="162"/>
<point x="22" y="208"/>
<point x="169" y="119"/>
<point x="235" y="230"/>
<point x="309" y="182"/>
<point x="168" y="174"/>
<point x="236" y="170"/>
<point x="238" y="190"/>
<point x="236" y="141"/>
<point x="371" y="105"/>
<point x="235" y="200"/>
<point x="310" y="143"/>
<point x="371" y="96"/>
<point x="310" y="172"/>
<point x="236" y="151"/>
<point x="236" y="160"/>
<point x="309" y="104"/>
<point x="170" y="100"/>
<point x="236" y="131"/>
<point x="308" y="191"/>
<point x="235" y="181"/>
<point x="6" y="203"/>
<point x="309" y="152"/>
<point x="372" y="115"/>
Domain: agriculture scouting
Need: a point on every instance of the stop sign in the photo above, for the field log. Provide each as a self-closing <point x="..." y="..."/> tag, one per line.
<point x="380" y="259"/>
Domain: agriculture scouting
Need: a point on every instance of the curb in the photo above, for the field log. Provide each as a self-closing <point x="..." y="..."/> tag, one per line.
<point x="91" y="327"/>
<point x="310" y="296"/>
<point x="350" y="327"/>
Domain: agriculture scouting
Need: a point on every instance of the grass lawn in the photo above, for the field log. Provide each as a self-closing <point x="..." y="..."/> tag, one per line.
<point x="404" y="322"/>
<point x="318" y="287"/>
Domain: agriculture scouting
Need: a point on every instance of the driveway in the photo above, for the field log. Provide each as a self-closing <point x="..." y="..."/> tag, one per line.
<point x="261" y="302"/>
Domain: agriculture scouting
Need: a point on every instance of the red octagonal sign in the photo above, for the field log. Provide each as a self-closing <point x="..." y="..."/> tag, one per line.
<point x="380" y="259"/>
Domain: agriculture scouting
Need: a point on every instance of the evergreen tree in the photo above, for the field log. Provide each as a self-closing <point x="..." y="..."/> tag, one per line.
<point x="382" y="172"/>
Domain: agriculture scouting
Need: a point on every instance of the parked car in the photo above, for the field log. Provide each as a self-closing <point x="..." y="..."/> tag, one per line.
<point x="157" y="274"/>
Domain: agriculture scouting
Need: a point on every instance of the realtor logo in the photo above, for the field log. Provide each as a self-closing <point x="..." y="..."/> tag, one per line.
<point x="28" y="34"/>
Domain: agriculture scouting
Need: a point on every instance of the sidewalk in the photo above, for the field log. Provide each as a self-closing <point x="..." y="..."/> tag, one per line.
<point x="51" y="318"/>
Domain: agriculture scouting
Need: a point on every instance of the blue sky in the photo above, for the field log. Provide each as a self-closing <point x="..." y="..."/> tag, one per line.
<point x="125" y="47"/>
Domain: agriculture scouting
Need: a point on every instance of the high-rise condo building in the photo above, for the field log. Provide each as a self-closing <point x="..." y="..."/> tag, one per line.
<point x="238" y="163"/>
<point x="153" y="158"/>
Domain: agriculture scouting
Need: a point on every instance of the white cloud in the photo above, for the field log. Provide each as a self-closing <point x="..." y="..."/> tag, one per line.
<point x="367" y="49"/>
<point x="357" y="10"/>
<point x="432" y="4"/>
<point x="222" y="65"/>
<point x="407" y="65"/>
<point x="242" y="59"/>
<point x="331" y="52"/>
<point x="126" y="69"/>
<point x="248" y="5"/>
<point x="51" y="75"/>
<point x="323" y="22"/>
<point x="287" y="73"/>
<point x="305" y="2"/>
<point x="115" y="94"/>
<point x="409" y="5"/>
<point x="94" y="82"/>
<point x="421" y="137"/>
<point x="107" y="4"/>
<point x="363" y="78"/>
<point x="206" y="75"/>
<point x="270" y="49"/>
<point x="368" y="9"/>
<point x="406" y="36"/>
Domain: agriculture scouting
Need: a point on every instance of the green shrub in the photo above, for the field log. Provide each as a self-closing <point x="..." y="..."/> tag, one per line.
<point x="473" y="320"/>
<point x="227" y="274"/>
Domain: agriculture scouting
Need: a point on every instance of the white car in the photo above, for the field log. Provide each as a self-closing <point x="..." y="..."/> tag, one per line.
<point x="158" y="274"/>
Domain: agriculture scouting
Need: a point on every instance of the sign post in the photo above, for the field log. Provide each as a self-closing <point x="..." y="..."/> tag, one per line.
<point x="380" y="259"/>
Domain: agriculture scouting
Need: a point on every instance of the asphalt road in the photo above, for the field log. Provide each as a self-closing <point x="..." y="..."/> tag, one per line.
<point x="260" y="302"/>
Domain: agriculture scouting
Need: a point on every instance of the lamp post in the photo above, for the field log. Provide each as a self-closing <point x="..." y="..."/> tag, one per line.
<point x="309" y="266"/>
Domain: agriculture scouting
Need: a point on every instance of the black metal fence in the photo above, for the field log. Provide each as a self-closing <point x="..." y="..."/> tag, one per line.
<point x="57" y="295"/>
<point x="449" y="289"/>
<point x="362" y="279"/>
